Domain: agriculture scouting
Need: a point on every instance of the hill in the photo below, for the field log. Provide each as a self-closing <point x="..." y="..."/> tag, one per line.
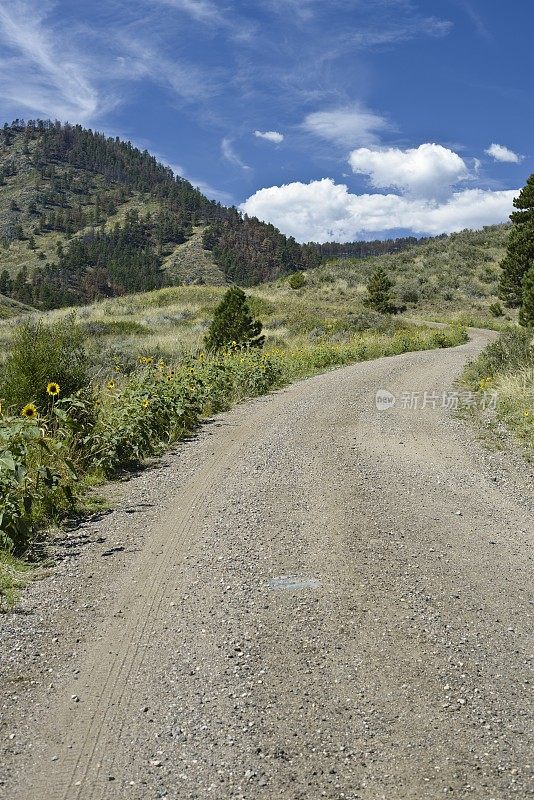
<point x="458" y="272"/>
<point x="83" y="217"/>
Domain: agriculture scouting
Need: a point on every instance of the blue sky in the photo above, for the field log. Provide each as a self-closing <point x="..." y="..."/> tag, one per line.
<point x="334" y="119"/>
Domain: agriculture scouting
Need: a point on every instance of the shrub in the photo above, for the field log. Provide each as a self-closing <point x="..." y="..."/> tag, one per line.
<point x="259" y="307"/>
<point x="496" y="309"/>
<point x="297" y="280"/>
<point x="41" y="354"/>
<point x="233" y="323"/>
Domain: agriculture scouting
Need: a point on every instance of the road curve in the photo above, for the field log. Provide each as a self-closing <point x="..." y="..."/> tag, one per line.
<point x="327" y="601"/>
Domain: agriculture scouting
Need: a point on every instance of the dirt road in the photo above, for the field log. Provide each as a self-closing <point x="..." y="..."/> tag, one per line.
<point x="312" y="599"/>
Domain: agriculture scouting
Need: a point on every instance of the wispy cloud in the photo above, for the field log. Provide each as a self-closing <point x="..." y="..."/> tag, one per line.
<point x="141" y="58"/>
<point x="230" y="155"/>
<point x="480" y="26"/>
<point x="402" y="31"/>
<point x="200" y="10"/>
<point x="211" y="15"/>
<point x="40" y="69"/>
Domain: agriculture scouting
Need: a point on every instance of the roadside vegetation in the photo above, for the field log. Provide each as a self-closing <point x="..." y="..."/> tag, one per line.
<point x="506" y="366"/>
<point x="85" y="398"/>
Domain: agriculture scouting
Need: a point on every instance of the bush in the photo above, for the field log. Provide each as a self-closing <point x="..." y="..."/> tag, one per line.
<point x="39" y="355"/>
<point x="496" y="309"/>
<point x="297" y="280"/>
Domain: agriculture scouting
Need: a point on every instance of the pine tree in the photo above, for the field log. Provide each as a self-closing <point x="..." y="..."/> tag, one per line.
<point x="520" y="251"/>
<point x="6" y="284"/>
<point x="526" y="315"/>
<point x="379" y="296"/>
<point x="233" y="322"/>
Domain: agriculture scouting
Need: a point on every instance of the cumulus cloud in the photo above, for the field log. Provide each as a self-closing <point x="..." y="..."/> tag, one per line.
<point x="429" y="170"/>
<point x="350" y="125"/>
<point x="501" y="153"/>
<point x="325" y="211"/>
<point x="270" y="136"/>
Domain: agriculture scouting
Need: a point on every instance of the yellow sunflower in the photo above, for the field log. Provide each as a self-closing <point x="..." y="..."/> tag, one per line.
<point x="53" y="389"/>
<point x="111" y="385"/>
<point x="29" y="411"/>
<point x="145" y="403"/>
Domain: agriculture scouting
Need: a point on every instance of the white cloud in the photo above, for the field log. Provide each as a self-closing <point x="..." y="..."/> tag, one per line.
<point x="429" y="170"/>
<point x="41" y="71"/>
<point x="325" y="211"/>
<point x="350" y="125"/>
<point x="200" y="10"/>
<point x="230" y="155"/>
<point x="270" y="136"/>
<point x="501" y="153"/>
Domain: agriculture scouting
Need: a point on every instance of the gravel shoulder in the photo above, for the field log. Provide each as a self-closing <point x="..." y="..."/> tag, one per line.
<point x="311" y="598"/>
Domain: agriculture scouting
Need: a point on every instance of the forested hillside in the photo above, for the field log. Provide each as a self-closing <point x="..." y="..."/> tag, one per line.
<point x="83" y="216"/>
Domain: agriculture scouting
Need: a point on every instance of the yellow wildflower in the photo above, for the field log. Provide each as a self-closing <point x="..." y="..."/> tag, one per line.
<point x="53" y="389"/>
<point x="29" y="411"/>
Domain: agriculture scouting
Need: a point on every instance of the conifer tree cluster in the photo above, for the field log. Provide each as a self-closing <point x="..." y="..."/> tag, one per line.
<point x="516" y="286"/>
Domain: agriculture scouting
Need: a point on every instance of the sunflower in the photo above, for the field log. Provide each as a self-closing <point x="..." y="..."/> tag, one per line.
<point x="29" y="411"/>
<point x="52" y="389"/>
<point x="526" y="413"/>
<point x="111" y="385"/>
<point x="146" y="402"/>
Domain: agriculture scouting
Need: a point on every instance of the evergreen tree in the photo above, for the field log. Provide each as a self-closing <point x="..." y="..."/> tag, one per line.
<point x="6" y="283"/>
<point x="233" y="322"/>
<point x="520" y="251"/>
<point x="526" y="315"/>
<point x="379" y="296"/>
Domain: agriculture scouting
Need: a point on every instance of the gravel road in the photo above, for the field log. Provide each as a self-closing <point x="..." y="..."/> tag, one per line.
<point x="310" y="599"/>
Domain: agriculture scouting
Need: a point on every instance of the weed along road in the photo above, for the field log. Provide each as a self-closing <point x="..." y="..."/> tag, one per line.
<point x="312" y="598"/>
